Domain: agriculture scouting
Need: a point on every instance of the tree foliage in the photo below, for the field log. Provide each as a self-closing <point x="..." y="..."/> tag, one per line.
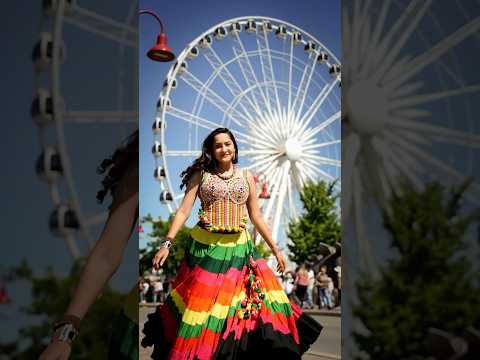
<point x="50" y="297"/>
<point x="177" y="251"/>
<point x="429" y="283"/>
<point x="318" y="224"/>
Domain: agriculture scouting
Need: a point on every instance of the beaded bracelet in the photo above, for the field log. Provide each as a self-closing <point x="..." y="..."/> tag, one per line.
<point x="166" y="244"/>
<point x="65" y="333"/>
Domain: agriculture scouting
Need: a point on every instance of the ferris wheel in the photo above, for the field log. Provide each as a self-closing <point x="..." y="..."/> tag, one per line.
<point x="276" y="87"/>
<point x="73" y="107"/>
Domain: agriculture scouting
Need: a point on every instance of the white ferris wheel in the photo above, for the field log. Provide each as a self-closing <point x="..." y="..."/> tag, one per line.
<point x="73" y="106"/>
<point x="276" y="87"/>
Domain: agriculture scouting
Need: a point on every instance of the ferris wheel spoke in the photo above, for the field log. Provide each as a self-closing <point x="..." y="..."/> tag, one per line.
<point x="422" y="99"/>
<point x="102" y="25"/>
<point x="310" y="173"/>
<point x="380" y="51"/>
<point x="438" y="164"/>
<point x="439" y="132"/>
<point x="229" y="80"/>
<point x="388" y="159"/>
<point x="290" y="72"/>
<point x="273" y="190"/>
<point x="302" y="87"/>
<point x="374" y="39"/>
<point x="101" y="116"/>
<point x="265" y="161"/>
<point x="433" y="53"/>
<point x="307" y="85"/>
<point x="322" y="159"/>
<point x="247" y="71"/>
<point x="317" y="103"/>
<point x="415" y="16"/>
<point x="281" y="198"/>
<point x="199" y="121"/>
<point x="187" y="153"/>
<point x="310" y="133"/>
<point x="270" y="170"/>
<point x="252" y="152"/>
<point x="291" y="204"/>
<point x="211" y="96"/>
<point x="267" y="66"/>
<point x="320" y="145"/>
<point x="319" y="171"/>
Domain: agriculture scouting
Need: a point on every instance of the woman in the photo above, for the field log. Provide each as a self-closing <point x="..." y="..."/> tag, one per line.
<point x="225" y="302"/>
<point x="121" y="181"/>
<point x="301" y="284"/>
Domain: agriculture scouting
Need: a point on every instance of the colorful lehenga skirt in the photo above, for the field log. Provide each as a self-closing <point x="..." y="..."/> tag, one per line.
<point x="206" y="315"/>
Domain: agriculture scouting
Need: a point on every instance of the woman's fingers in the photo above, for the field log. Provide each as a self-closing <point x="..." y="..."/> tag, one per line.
<point x="159" y="259"/>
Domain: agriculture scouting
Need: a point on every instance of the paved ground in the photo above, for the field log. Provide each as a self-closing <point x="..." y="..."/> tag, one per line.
<point x="327" y="347"/>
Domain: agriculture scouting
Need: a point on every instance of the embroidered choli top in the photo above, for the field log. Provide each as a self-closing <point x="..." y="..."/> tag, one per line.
<point x="223" y="202"/>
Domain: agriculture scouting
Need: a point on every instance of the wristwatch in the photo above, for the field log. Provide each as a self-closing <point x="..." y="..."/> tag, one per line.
<point x="65" y="332"/>
<point x="166" y="244"/>
<point x="66" y="329"/>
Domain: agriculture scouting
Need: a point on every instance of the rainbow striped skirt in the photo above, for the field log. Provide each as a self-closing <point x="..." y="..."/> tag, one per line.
<point x="226" y="303"/>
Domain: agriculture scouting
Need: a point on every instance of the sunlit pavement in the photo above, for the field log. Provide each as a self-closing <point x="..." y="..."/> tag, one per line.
<point x="327" y="347"/>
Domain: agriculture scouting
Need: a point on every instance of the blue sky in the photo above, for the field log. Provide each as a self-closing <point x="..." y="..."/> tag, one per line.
<point x="319" y="18"/>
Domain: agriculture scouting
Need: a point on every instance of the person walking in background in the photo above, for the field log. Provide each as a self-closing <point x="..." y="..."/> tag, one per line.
<point x="338" y="270"/>
<point x="311" y="285"/>
<point x="146" y="290"/>
<point x="324" y="288"/>
<point x="157" y="291"/>
<point x="141" y="286"/>
<point x="301" y="284"/>
<point x="288" y="284"/>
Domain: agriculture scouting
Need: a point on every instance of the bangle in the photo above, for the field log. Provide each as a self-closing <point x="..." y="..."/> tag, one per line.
<point x="66" y="333"/>
<point x="166" y="244"/>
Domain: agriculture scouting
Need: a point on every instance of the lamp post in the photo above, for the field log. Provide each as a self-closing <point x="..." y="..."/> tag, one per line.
<point x="160" y="51"/>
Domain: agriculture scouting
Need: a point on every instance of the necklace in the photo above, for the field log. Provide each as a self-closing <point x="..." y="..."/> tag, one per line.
<point x="225" y="177"/>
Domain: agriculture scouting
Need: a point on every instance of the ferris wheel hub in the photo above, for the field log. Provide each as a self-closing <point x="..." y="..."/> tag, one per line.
<point x="293" y="149"/>
<point x="367" y="107"/>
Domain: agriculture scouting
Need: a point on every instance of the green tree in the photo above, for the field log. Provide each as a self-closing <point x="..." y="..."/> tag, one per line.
<point x="50" y="297"/>
<point x="159" y="231"/>
<point x="429" y="283"/>
<point x="318" y="224"/>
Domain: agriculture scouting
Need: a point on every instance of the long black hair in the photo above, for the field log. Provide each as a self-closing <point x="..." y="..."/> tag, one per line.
<point x="207" y="161"/>
<point x="117" y="164"/>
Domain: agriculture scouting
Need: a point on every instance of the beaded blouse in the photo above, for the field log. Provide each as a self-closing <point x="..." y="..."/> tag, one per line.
<point x="223" y="202"/>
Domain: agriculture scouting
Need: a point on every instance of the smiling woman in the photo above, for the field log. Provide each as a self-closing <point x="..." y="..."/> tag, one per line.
<point x="226" y="303"/>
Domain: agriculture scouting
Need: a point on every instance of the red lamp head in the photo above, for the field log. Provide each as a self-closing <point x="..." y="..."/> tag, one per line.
<point x="161" y="51"/>
<point x="264" y="194"/>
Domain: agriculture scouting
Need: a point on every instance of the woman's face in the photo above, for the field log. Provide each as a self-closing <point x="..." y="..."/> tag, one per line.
<point x="223" y="148"/>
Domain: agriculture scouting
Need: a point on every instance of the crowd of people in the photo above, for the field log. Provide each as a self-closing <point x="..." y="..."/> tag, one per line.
<point x="153" y="289"/>
<point x="312" y="290"/>
<point x="307" y="288"/>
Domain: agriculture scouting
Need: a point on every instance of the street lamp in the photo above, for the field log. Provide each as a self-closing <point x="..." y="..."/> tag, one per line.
<point x="160" y="51"/>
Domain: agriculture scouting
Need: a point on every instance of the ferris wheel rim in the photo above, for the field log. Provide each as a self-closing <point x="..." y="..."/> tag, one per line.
<point x="71" y="200"/>
<point x="173" y="73"/>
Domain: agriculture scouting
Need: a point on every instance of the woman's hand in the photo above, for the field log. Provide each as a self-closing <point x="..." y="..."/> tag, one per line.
<point x="57" y="350"/>
<point x="281" y="264"/>
<point x="160" y="258"/>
